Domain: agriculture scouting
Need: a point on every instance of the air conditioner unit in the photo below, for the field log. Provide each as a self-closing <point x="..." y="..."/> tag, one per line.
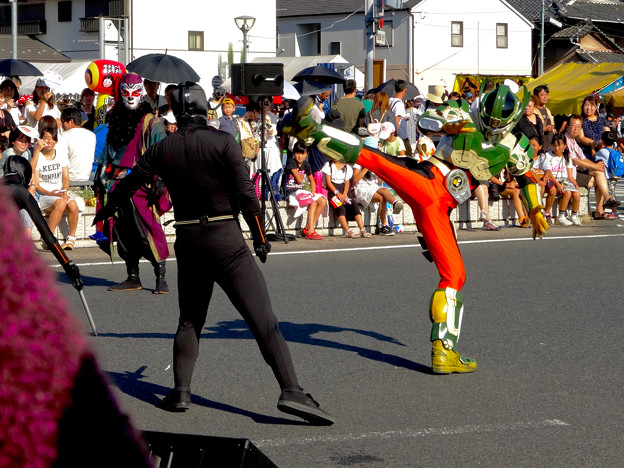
<point x="380" y="38"/>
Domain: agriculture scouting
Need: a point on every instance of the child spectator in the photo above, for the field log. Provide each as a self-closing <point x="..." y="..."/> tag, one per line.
<point x="391" y="144"/>
<point x="368" y="190"/>
<point x="296" y="171"/>
<point x="19" y="141"/>
<point x="51" y="179"/>
<point x="338" y="182"/>
<point x="559" y="164"/>
<point x="609" y="140"/>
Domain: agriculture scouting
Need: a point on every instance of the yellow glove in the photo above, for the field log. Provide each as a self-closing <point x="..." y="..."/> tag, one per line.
<point x="540" y="225"/>
<point x="458" y="126"/>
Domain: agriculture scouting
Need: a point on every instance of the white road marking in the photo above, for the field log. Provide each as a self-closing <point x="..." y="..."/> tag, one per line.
<point x="411" y="433"/>
<point x="403" y="246"/>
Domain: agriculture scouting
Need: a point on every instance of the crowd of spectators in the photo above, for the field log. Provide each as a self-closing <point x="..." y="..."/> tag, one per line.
<point x="65" y="137"/>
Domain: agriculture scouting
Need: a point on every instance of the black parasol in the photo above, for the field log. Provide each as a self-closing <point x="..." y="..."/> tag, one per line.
<point x="319" y="73"/>
<point x="388" y="88"/>
<point x="10" y="67"/>
<point x="164" y="68"/>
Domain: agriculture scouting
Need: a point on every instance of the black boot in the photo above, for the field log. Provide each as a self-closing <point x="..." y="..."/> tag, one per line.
<point x="133" y="281"/>
<point x="294" y="401"/>
<point x="161" y="283"/>
<point x="178" y="401"/>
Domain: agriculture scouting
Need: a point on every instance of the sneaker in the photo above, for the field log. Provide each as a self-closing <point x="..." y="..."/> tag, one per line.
<point x="490" y="227"/>
<point x="397" y="207"/>
<point x="563" y="221"/>
<point x="386" y="231"/>
<point x="575" y="220"/>
<point x="448" y="361"/>
<point x="297" y="403"/>
<point x="314" y="236"/>
<point x="178" y="401"/>
<point x="483" y="216"/>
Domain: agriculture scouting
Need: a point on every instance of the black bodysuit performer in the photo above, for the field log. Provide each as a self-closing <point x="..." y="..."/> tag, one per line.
<point x="209" y="185"/>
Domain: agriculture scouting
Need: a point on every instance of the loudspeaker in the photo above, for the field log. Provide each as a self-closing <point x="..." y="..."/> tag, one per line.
<point x="194" y="451"/>
<point x="257" y="79"/>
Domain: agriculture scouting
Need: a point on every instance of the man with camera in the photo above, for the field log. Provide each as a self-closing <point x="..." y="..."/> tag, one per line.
<point x="215" y="111"/>
<point x="200" y="163"/>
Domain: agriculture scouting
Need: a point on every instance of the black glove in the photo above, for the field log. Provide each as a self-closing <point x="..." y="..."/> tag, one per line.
<point x="155" y="192"/>
<point x="262" y="249"/>
<point x="73" y="273"/>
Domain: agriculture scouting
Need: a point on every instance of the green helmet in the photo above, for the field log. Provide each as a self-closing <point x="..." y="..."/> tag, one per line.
<point x="499" y="110"/>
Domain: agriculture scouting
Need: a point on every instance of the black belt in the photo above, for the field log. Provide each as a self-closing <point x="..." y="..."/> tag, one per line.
<point x="201" y="221"/>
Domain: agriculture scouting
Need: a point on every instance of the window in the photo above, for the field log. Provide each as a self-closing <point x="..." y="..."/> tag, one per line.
<point x="309" y="38"/>
<point x="196" y="40"/>
<point x="501" y="35"/>
<point x="387" y="28"/>
<point x="334" y="48"/>
<point x="457" y="34"/>
<point x="64" y="11"/>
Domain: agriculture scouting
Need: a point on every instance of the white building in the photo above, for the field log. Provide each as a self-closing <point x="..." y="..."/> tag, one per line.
<point x="488" y="37"/>
<point x="197" y="32"/>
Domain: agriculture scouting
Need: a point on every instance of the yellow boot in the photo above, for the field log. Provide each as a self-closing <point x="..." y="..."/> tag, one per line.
<point x="447" y="361"/>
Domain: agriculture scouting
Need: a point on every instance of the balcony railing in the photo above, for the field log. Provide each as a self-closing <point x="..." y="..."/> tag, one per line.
<point x="26" y="28"/>
<point x="89" y="24"/>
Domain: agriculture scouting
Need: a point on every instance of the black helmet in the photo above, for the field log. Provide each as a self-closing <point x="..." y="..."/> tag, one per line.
<point x="17" y="171"/>
<point x="189" y="102"/>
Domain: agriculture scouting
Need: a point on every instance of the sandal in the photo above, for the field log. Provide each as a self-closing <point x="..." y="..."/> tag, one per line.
<point x="70" y="243"/>
<point x="365" y="233"/>
<point x="314" y="236"/>
<point x="304" y="232"/>
<point x="604" y="216"/>
<point x="351" y="234"/>
<point x="611" y="203"/>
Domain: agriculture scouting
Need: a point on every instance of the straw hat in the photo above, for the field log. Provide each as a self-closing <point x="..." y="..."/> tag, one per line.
<point x="438" y="95"/>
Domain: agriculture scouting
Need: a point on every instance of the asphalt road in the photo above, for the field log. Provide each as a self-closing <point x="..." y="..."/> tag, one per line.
<point x="542" y="318"/>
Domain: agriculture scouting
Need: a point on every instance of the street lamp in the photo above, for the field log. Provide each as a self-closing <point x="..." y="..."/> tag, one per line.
<point x="245" y="23"/>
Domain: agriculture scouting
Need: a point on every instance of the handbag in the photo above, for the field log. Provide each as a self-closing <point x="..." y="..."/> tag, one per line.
<point x="249" y="144"/>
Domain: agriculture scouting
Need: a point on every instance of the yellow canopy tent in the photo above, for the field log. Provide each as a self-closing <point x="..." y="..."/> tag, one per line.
<point x="615" y="101"/>
<point x="569" y="83"/>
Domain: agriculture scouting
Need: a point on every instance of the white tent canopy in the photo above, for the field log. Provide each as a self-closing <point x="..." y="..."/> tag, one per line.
<point x="73" y="74"/>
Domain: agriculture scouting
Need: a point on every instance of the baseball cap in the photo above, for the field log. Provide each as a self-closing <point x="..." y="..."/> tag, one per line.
<point x="41" y="82"/>
<point x="228" y="101"/>
<point x="170" y="118"/>
<point x="387" y="128"/>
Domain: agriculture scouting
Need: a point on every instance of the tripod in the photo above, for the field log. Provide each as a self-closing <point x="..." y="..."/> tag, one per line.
<point x="265" y="184"/>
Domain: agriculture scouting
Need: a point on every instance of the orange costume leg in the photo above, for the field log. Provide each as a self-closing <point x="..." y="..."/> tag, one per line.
<point x="423" y="189"/>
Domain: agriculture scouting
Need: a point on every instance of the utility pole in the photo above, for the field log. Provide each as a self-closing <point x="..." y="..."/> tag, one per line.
<point x="369" y="31"/>
<point x="14" y="28"/>
<point x="541" y="63"/>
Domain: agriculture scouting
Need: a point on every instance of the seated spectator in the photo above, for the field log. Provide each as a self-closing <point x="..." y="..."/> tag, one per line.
<point x="560" y="165"/>
<point x="586" y="170"/>
<point x="593" y="127"/>
<point x="508" y="188"/>
<point x="9" y="91"/>
<point x="297" y="171"/>
<point x="19" y="141"/>
<point x="368" y="190"/>
<point x="530" y="124"/>
<point x="80" y="145"/>
<point x="51" y="180"/>
<point x="609" y="140"/>
<point x="481" y="192"/>
<point x="338" y="182"/>
<point x="391" y="144"/>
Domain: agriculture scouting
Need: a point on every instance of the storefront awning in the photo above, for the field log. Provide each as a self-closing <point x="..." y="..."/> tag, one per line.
<point x="569" y="83"/>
